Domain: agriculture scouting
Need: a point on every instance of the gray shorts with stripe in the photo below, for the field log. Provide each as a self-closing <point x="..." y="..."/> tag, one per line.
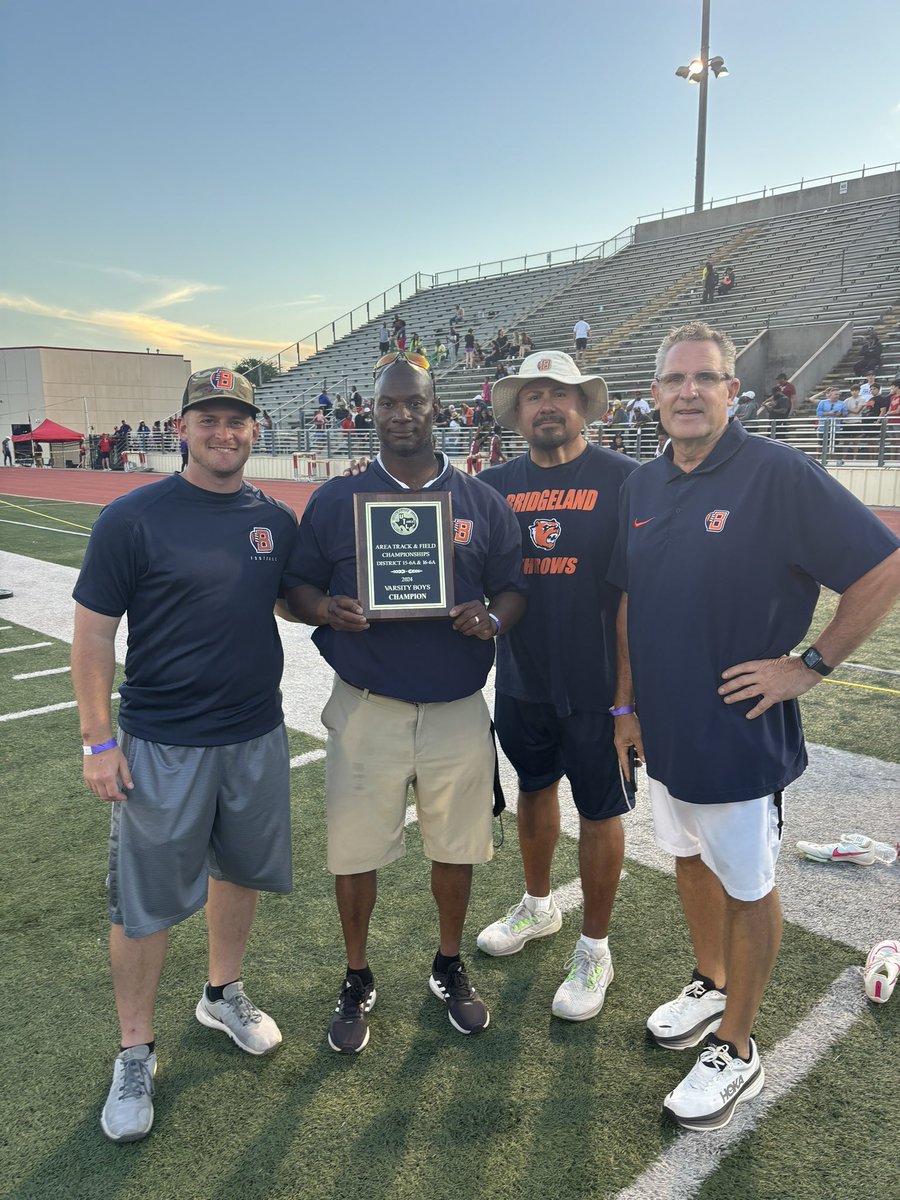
<point x="197" y="811"/>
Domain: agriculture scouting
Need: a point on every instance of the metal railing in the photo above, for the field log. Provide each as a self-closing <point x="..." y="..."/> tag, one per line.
<point x="379" y="304"/>
<point x="762" y="193"/>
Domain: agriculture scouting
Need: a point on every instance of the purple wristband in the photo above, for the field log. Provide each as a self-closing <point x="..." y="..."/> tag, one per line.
<point x="87" y="751"/>
<point x="624" y="711"/>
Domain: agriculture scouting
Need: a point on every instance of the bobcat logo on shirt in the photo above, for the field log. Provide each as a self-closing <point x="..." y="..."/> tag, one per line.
<point x="545" y="532"/>
<point x="261" y="539"/>
<point x="462" y="531"/>
<point x="715" y="520"/>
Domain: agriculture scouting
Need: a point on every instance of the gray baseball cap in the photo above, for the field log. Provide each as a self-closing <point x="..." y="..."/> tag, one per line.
<point x="218" y="383"/>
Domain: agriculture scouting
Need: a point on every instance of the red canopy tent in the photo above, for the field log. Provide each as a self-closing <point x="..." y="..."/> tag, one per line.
<point x="49" y="431"/>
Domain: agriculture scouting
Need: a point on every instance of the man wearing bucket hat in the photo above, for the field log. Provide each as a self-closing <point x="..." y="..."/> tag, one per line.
<point x="556" y="669"/>
<point x="198" y="774"/>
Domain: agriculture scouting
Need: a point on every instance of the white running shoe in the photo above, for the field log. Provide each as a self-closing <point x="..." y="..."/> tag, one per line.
<point x="718" y="1082"/>
<point x="520" y="925"/>
<point x="581" y="994"/>
<point x="842" y="851"/>
<point x="882" y="970"/>
<point x="236" y="1014"/>
<point x="883" y="851"/>
<point x="128" y="1112"/>
<point x="686" y="1020"/>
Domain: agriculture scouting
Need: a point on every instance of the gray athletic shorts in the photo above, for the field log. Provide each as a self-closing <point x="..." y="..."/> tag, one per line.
<point x="197" y="811"/>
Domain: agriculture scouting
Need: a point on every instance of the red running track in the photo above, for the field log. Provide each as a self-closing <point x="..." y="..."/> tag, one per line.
<point x="99" y="487"/>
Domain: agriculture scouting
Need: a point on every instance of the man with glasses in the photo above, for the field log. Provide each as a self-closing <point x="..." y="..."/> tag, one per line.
<point x="406" y="705"/>
<point x="556" y="670"/>
<point x="723" y="542"/>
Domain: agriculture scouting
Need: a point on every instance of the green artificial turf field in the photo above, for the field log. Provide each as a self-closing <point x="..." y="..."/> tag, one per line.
<point x="533" y="1109"/>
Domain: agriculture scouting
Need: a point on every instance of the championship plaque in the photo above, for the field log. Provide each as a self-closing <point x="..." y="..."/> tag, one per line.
<point x="404" y="555"/>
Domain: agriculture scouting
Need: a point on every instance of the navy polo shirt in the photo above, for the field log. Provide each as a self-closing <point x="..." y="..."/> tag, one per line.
<point x="562" y="652"/>
<point x="198" y="573"/>
<point x="421" y="661"/>
<point x="722" y="565"/>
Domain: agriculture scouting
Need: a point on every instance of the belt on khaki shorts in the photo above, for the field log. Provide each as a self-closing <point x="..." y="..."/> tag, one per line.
<point x="378" y="695"/>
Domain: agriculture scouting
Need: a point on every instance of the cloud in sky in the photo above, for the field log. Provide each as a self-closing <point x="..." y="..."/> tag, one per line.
<point x="146" y="328"/>
<point x="176" y="291"/>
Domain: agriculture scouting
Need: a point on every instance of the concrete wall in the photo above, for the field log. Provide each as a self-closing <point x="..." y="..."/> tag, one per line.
<point x="824" y="196"/>
<point x="805" y="353"/>
<point x="46" y="381"/>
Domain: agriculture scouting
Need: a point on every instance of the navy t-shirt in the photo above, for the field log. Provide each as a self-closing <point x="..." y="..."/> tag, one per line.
<point x="421" y="661"/>
<point x="562" y="652"/>
<point x="722" y="565"/>
<point x="198" y="573"/>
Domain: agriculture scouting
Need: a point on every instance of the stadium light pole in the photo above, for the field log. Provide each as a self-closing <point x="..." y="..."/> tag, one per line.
<point x="698" y="71"/>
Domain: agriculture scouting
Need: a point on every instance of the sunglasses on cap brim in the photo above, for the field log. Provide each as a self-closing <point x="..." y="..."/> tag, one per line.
<point x="413" y="358"/>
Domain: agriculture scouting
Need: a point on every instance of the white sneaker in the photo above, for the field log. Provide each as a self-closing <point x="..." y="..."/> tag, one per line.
<point x="128" y="1112"/>
<point x="686" y="1020"/>
<point x="718" y="1082"/>
<point x="236" y="1014"/>
<point x="580" y="996"/>
<point x="520" y="925"/>
<point x="882" y="970"/>
<point x="842" y="851"/>
<point x="883" y="851"/>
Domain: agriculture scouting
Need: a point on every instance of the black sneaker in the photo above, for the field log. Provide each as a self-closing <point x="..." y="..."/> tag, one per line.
<point x="348" y="1031"/>
<point x="467" y="1011"/>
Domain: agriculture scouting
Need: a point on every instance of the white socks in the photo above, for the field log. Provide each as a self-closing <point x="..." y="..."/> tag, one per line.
<point x="595" y="945"/>
<point x="542" y="904"/>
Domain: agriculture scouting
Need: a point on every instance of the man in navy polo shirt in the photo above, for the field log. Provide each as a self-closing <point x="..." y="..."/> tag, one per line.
<point x="723" y="542"/>
<point x="199" y="774"/>
<point x="556" y="669"/>
<point x="406" y="706"/>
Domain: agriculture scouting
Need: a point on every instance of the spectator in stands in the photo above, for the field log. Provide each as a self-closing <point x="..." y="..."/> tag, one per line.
<point x="7" y="453"/>
<point x="439" y="353"/>
<point x="458" y="317"/>
<point x="638" y="410"/>
<point x="476" y="455"/>
<point x="363" y="419"/>
<point x="709" y="277"/>
<point x="355" y="399"/>
<point x="526" y="346"/>
<point x="728" y="281"/>
<point x="870" y="354"/>
<point x="348" y="425"/>
<point x="866" y="390"/>
<point x="105" y="447"/>
<point x="747" y="408"/>
<point x="182" y="447"/>
<point x="384" y="339"/>
<point x="618" y="410"/>
<point x="782" y="381"/>
<point x="469" y="345"/>
<point x="122" y="435"/>
<point x="157" y="436"/>
<point x="581" y="332"/>
<point x="324" y="400"/>
<point x="878" y="402"/>
<point x="416" y="346"/>
<point x="893" y="409"/>
<point x="266" y="425"/>
<point x="617" y="444"/>
<point x="830" y="410"/>
<point x="143" y="433"/>
<point x="453" y="344"/>
<point x="496" y="451"/>
<point x="454" y="441"/>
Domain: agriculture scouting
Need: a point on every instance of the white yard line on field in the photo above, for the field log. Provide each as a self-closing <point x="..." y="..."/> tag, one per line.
<point x="30" y="646"/>
<point x="302" y="759"/>
<point x="680" y="1171"/>
<point x="48" y="708"/>
<point x="46" y="528"/>
<point x="39" y="674"/>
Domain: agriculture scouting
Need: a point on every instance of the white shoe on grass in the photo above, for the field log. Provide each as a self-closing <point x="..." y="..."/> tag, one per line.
<point x="581" y="994"/>
<point x="520" y="925"/>
<point x="128" y="1112"/>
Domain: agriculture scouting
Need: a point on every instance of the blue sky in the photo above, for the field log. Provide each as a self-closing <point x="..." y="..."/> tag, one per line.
<point x="218" y="178"/>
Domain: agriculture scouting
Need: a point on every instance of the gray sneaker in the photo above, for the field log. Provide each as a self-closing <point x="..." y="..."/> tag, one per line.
<point x="235" y="1014"/>
<point x="520" y="925"/>
<point x="128" y="1112"/>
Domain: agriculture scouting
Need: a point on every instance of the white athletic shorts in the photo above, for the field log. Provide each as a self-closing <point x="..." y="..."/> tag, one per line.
<point x="739" y="842"/>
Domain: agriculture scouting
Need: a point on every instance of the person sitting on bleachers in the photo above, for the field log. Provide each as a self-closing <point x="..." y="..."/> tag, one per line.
<point x="416" y="345"/>
<point x="439" y="353"/>
<point x="776" y="406"/>
<point x="866" y="390"/>
<point x="474" y="461"/>
<point x="747" y="408"/>
<point x="526" y="345"/>
<point x="324" y="400"/>
<point x="728" y="281"/>
<point x="458" y="317"/>
<point x="870" y="354"/>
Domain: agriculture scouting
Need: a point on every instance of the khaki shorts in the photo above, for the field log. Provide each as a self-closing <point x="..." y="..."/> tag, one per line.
<point x="377" y="748"/>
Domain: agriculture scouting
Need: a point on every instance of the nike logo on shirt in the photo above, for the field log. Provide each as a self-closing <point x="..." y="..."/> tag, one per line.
<point x="638" y="524"/>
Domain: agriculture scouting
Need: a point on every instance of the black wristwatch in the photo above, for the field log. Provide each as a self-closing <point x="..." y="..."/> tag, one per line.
<point x="813" y="659"/>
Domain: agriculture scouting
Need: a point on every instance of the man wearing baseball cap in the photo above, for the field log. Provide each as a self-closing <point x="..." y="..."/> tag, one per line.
<point x="556" y="668"/>
<point x="198" y="772"/>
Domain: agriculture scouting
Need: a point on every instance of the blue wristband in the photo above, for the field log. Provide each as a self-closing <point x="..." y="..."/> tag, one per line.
<point x="87" y="751"/>
<point x="624" y="711"/>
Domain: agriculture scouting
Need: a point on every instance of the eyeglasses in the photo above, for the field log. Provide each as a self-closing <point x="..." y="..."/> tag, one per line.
<point x="409" y="356"/>
<point x="702" y="380"/>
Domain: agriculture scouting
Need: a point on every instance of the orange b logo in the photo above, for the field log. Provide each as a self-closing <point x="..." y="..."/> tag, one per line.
<point x="715" y="521"/>
<point x="462" y="531"/>
<point x="222" y="380"/>
<point x="544" y="365"/>
<point x="261" y="540"/>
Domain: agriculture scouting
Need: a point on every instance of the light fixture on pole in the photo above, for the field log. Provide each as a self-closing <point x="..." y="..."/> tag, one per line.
<point x="698" y="71"/>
